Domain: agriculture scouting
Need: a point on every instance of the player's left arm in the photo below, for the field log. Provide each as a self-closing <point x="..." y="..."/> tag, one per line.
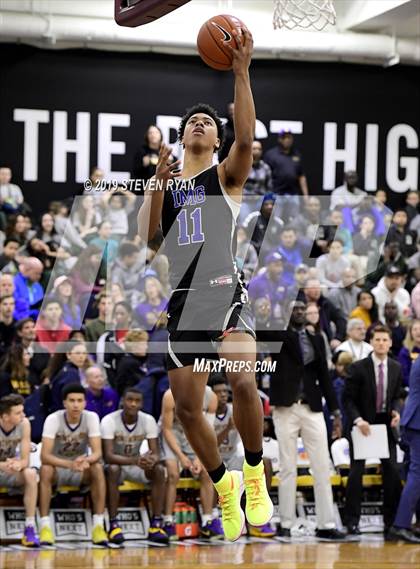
<point x="210" y="414"/>
<point x="154" y="453"/>
<point x="95" y="440"/>
<point x="95" y="444"/>
<point x="234" y="170"/>
<point x="25" y="446"/>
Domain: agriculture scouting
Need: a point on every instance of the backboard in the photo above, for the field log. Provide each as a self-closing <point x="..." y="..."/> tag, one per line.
<point x="133" y="13"/>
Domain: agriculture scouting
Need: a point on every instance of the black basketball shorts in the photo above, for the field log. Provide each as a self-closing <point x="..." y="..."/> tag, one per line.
<point x="198" y="320"/>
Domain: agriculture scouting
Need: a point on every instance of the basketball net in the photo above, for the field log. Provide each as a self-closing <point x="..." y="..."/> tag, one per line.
<point x="316" y="14"/>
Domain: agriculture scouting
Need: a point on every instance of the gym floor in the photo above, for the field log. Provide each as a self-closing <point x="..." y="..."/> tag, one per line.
<point x="302" y="553"/>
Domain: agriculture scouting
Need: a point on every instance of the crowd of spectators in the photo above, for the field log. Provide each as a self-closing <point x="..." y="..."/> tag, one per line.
<point x="79" y="300"/>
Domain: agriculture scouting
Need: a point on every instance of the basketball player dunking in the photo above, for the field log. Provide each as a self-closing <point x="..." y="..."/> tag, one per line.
<point x="210" y="289"/>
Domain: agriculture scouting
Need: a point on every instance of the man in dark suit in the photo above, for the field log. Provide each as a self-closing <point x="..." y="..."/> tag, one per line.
<point x="300" y="381"/>
<point x="410" y="497"/>
<point x="371" y="396"/>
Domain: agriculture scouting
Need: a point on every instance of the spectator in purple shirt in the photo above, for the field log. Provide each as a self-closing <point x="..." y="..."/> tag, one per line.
<point x="100" y="399"/>
<point x="270" y="284"/>
<point x="154" y="304"/>
<point x="291" y="248"/>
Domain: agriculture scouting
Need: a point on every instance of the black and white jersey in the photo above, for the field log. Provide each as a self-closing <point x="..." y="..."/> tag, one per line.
<point x="198" y="223"/>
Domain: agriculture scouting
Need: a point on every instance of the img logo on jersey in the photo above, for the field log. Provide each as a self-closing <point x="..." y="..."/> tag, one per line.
<point x="190" y="196"/>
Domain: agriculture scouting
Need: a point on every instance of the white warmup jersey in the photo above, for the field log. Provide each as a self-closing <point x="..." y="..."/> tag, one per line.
<point x="71" y="441"/>
<point x="128" y="438"/>
<point x="9" y="442"/>
<point x="229" y="446"/>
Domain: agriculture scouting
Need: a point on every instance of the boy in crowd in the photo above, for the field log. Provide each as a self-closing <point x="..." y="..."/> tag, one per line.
<point x="50" y="327"/>
<point x="65" y="439"/>
<point x="15" y="430"/>
<point x="8" y="261"/>
<point x="123" y="432"/>
<point x="228" y="440"/>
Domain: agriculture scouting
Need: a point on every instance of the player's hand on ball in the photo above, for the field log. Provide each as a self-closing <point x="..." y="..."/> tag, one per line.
<point x="243" y="53"/>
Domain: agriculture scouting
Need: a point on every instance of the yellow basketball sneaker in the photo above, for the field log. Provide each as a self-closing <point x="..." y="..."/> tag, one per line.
<point x="46" y="536"/>
<point x="230" y="489"/>
<point x="259" y="507"/>
<point x="99" y="536"/>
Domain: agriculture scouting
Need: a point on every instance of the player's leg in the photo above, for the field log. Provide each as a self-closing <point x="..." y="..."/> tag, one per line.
<point x="248" y="416"/>
<point x="172" y="470"/>
<point x="47" y="478"/>
<point x="30" y="496"/>
<point x="113" y="476"/>
<point x="157" y="478"/>
<point x="27" y="481"/>
<point x="188" y="390"/>
<point x="94" y="477"/>
<point x="247" y="407"/>
<point x="209" y="528"/>
<point x="158" y="484"/>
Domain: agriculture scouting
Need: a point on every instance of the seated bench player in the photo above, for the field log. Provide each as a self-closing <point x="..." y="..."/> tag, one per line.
<point x="178" y="455"/>
<point x="123" y="432"/>
<point x="15" y="431"/>
<point x="230" y="446"/>
<point x="65" y="461"/>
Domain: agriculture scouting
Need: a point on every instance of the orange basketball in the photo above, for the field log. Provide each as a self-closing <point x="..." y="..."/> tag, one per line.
<point x="214" y="36"/>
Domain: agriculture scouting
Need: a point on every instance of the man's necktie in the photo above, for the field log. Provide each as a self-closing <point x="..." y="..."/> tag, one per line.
<point x="380" y="389"/>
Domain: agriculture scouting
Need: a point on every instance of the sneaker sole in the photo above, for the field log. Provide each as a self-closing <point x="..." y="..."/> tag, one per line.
<point x="263" y="536"/>
<point x="212" y="537"/>
<point x="163" y="540"/>
<point x="241" y="491"/>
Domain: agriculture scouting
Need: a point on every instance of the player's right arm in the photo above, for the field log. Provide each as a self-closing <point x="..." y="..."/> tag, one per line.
<point x="49" y="458"/>
<point x="48" y="439"/>
<point x="234" y="170"/>
<point x="168" y="411"/>
<point x="150" y="212"/>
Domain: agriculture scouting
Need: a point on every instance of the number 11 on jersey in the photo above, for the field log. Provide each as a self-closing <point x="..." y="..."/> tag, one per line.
<point x="184" y="237"/>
